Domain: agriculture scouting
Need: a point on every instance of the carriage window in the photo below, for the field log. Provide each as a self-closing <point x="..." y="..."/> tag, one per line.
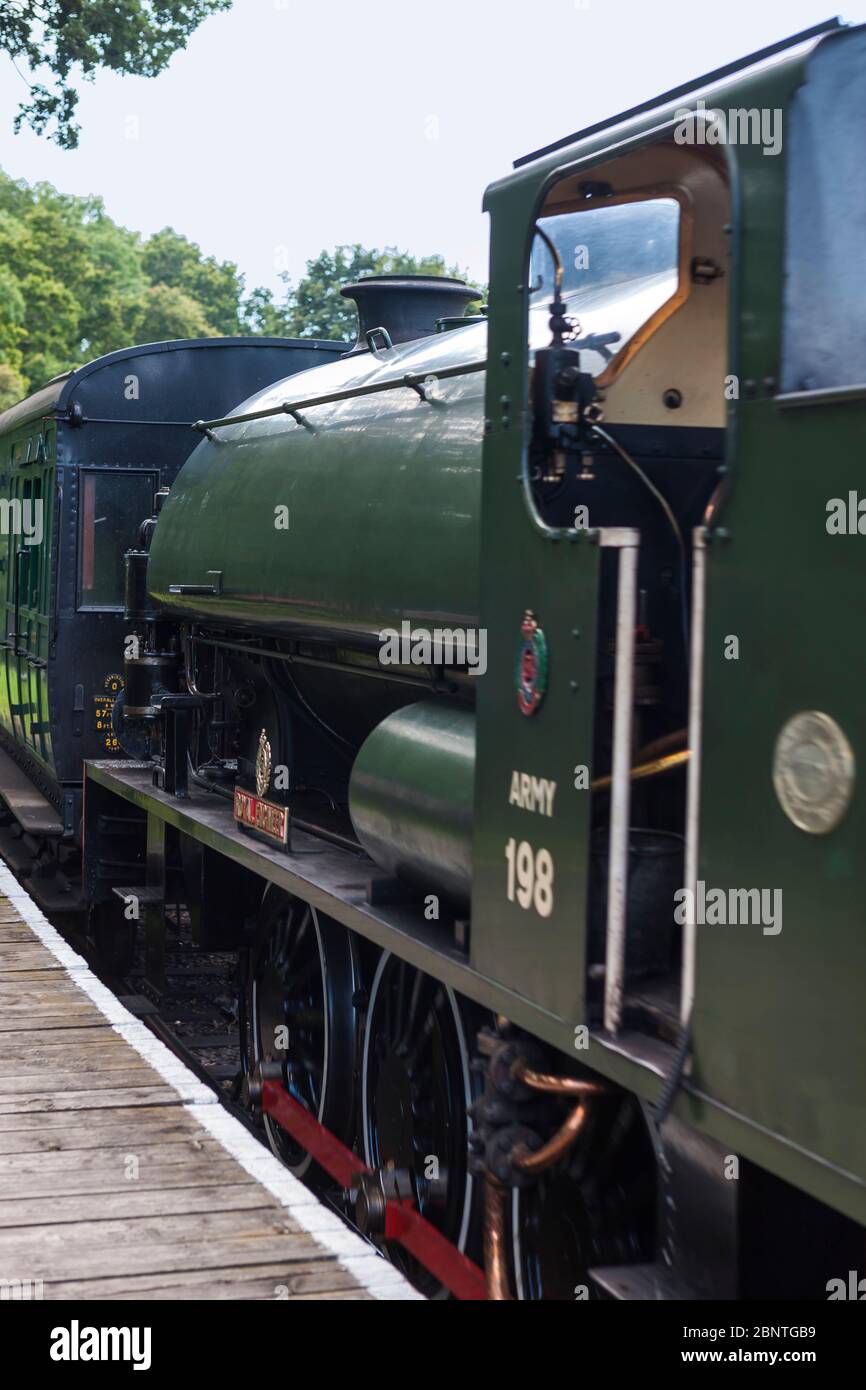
<point x="620" y="265"/>
<point x="113" y="505"/>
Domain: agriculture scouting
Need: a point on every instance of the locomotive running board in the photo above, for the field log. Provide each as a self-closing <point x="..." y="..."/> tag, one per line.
<point x="332" y="879"/>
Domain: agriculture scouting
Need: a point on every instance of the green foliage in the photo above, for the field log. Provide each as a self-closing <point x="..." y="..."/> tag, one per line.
<point x="78" y="277"/>
<point x="11" y="386"/>
<point x="169" y="313"/>
<point x="316" y="309"/>
<point x="64" y="41"/>
<point x="11" y="318"/>
<point x="75" y="285"/>
<point x="169" y="259"/>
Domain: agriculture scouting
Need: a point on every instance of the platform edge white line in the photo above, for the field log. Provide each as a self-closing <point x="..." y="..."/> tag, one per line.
<point x="369" y="1270"/>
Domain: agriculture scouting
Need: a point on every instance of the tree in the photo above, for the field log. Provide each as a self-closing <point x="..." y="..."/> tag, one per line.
<point x="12" y="386"/>
<point x="170" y="259"/>
<point x="77" y="243"/>
<point x="316" y="309"/>
<point x="68" y="40"/>
<point x="12" y="313"/>
<point x="52" y="321"/>
<point x="75" y="285"/>
<point x="169" y="313"/>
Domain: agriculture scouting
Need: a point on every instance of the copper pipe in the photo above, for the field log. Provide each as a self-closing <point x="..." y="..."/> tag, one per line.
<point x="495" y="1267"/>
<point x="644" y="770"/>
<point x="710" y="512"/>
<point x="665" y="744"/>
<point x="554" y="1085"/>
<point x="553" y="1150"/>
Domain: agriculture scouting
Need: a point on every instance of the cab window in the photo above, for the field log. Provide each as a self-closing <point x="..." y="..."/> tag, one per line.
<point x="620" y="266"/>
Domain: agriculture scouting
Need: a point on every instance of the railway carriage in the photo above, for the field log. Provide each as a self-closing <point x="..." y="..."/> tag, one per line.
<point x="81" y="461"/>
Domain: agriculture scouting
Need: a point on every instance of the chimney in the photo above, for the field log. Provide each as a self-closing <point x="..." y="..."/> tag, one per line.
<point x="406" y="306"/>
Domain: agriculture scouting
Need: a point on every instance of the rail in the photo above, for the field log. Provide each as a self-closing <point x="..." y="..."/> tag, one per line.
<point x="413" y="381"/>
<point x="626" y="542"/>
<point x="693" y="785"/>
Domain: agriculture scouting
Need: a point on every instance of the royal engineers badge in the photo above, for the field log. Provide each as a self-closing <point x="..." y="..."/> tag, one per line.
<point x="263" y="765"/>
<point x="264" y="817"/>
<point x="531" y="666"/>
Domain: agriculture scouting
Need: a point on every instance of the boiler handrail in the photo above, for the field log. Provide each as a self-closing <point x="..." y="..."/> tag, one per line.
<point x="414" y="381"/>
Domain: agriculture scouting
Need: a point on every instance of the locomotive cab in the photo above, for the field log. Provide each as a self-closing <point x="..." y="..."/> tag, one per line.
<point x="629" y="274"/>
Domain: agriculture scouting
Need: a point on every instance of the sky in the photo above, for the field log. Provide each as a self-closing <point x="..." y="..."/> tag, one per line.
<point x="288" y="126"/>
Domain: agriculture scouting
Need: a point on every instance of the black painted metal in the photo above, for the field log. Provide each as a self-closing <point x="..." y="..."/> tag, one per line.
<point x="129" y="412"/>
<point x="406" y="306"/>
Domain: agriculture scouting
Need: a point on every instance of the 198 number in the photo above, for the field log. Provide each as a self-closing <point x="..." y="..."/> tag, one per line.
<point x="530" y="876"/>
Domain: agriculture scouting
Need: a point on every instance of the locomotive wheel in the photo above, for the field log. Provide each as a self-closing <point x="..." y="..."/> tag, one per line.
<point x="416" y="1086"/>
<point x="595" y="1207"/>
<point x="302" y="1014"/>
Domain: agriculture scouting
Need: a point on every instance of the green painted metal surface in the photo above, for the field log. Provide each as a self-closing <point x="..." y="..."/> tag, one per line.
<point x="27" y="460"/>
<point x="779" y="1038"/>
<point x="410" y="797"/>
<point x="555" y="575"/>
<point x="380" y="505"/>
<point x="779" y="1023"/>
<point x="383" y="525"/>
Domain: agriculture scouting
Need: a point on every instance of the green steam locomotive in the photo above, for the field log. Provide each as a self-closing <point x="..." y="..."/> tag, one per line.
<point x="496" y="688"/>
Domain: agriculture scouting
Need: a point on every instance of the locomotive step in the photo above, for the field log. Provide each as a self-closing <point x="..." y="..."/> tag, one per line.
<point x="31" y="809"/>
<point x="644" y="1283"/>
<point x="145" y="896"/>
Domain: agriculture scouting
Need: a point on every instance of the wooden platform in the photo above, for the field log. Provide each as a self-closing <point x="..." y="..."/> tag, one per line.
<point x="121" y="1176"/>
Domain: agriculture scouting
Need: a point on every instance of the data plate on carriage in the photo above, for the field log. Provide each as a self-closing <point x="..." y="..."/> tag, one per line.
<point x="262" y="816"/>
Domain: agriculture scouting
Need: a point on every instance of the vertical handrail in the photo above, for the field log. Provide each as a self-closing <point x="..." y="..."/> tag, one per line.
<point x="626" y="541"/>
<point x="693" y="782"/>
<point x="19" y="556"/>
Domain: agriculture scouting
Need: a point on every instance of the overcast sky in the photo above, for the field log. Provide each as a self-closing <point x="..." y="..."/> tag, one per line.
<point x="291" y="125"/>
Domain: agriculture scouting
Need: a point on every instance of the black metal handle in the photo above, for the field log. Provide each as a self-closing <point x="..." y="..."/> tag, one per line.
<point x="373" y="333"/>
<point x="15" y="634"/>
<point x="214" y="588"/>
